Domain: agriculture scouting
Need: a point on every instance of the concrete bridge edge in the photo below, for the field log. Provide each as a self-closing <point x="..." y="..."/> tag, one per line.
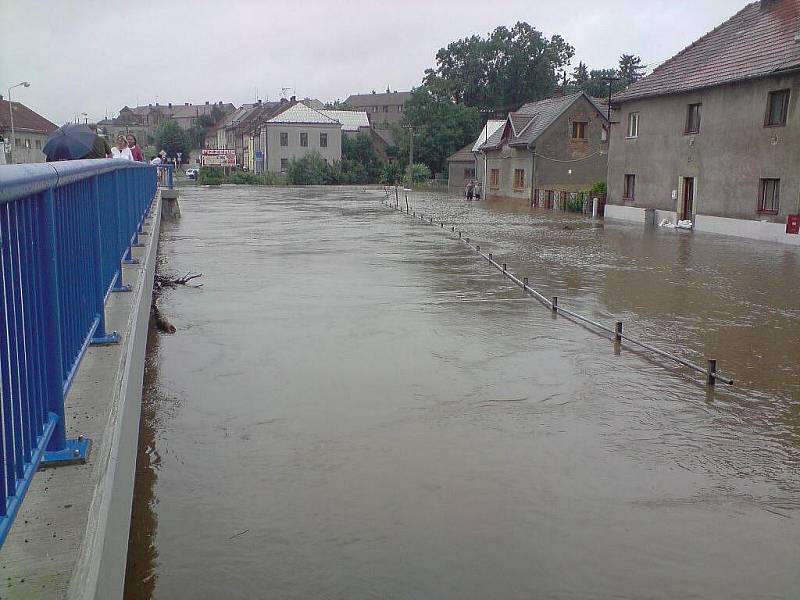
<point x="100" y="569"/>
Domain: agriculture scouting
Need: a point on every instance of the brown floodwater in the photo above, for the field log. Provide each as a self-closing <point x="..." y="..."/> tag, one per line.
<point x="356" y="406"/>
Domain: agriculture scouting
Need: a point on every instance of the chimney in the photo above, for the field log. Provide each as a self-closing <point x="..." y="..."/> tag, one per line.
<point x="767" y="4"/>
<point x="206" y="102"/>
<point x="1" y="96"/>
<point x="259" y="102"/>
<point x="293" y="98"/>
<point x="150" y="105"/>
<point x="186" y="104"/>
<point x="169" y="105"/>
<point x="156" y="103"/>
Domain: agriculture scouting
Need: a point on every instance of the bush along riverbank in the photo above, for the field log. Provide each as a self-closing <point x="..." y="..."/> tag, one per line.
<point x="217" y="176"/>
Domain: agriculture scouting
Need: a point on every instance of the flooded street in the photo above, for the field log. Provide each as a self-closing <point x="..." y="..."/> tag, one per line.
<point x="356" y="406"/>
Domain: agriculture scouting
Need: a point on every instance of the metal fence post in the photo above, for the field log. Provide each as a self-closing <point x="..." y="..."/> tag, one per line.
<point x="59" y="449"/>
<point x="121" y="249"/>
<point x="712" y="371"/>
<point x="100" y="334"/>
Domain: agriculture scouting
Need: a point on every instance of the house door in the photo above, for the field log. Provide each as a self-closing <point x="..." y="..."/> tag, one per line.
<point x="687" y="207"/>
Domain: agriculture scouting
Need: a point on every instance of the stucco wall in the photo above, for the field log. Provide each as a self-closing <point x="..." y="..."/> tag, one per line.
<point x="456" y="178"/>
<point x="588" y="159"/>
<point x="276" y="152"/>
<point x="732" y="151"/>
<point x="507" y="160"/>
<point x="25" y="153"/>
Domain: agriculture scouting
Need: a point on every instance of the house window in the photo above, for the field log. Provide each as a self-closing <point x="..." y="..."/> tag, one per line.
<point x="519" y="179"/>
<point x="38" y="144"/>
<point x="469" y="173"/>
<point x="629" y="191"/>
<point x="769" y="191"/>
<point x="777" y="108"/>
<point x="284" y="138"/>
<point x="633" y="124"/>
<point x="323" y="140"/>
<point x="692" y="119"/>
<point x="304" y="139"/>
<point x="17" y="142"/>
<point x="578" y="130"/>
<point x="400" y="108"/>
<point x="284" y="164"/>
<point x="385" y="108"/>
<point x="27" y="143"/>
<point x="604" y="134"/>
<point x="494" y="177"/>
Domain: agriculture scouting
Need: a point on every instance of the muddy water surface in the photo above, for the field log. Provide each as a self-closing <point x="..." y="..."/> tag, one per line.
<point x="354" y="406"/>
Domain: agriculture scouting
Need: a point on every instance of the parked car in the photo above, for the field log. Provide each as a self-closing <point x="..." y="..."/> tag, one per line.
<point x="191" y="173"/>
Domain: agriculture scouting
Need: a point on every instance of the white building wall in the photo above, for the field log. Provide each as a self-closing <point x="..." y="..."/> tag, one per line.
<point x="275" y="152"/>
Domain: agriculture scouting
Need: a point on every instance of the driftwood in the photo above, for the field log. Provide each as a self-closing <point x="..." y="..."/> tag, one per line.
<point x="160" y="282"/>
<point x="170" y="282"/>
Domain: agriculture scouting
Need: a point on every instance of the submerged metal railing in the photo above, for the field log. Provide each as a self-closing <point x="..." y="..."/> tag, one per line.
<point x="65" y="229"/>
<point x="710" y="371"/>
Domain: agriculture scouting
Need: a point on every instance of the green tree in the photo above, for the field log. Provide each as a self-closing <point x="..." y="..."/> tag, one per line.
<point x="499" y="73"/>
<point x="309" y="170"/>
<point x="359" y="150"/>
<point x="631" y="68"/>
<point x="170" y="138"/>
<point x="440" y="126"/>
<point x="419" y="173"/>
<point x="597" y="84"/>
<point x="391" y="173"/>
<point x="581" y="74"/>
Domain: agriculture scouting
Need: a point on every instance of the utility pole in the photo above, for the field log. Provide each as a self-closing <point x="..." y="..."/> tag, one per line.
<point x="610" y="79"/>
<point x="411" y="129"/>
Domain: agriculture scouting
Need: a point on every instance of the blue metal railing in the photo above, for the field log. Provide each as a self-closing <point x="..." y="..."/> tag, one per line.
<point x="65" y="229"/>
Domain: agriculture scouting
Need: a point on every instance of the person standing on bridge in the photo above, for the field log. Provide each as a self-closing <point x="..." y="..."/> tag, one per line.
<point x="136" y="152"/>
<point x="100" y="148"/>
<point x="121" y="149"/>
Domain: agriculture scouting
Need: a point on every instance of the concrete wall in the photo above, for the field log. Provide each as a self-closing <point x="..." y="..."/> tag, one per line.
<point x="732" y="151"/>
<point x="276" y="152"/>
<point x="27" y="146"/>
<point x="562" y="163"/>
<point x="506" y="160"/>
<point x="457" y="177"/>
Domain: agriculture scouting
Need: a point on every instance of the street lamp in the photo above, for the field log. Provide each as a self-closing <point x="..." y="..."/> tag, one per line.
<point x="11" y="112"/>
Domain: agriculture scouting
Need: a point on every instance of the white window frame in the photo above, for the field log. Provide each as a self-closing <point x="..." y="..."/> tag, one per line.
<point x="633" y="125"/>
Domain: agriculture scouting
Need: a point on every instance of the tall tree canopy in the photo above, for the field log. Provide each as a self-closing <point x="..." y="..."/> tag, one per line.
<point x="440" y="125"/>
<point x="499" y="73"/>
<point x="581" y="74"/>
<point x="596" y="82"/>
<point x="630" y="68"/>
<point x="172" y="139"/>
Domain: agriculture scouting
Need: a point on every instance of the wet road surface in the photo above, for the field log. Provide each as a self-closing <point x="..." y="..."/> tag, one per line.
<point x="355" y="406"/>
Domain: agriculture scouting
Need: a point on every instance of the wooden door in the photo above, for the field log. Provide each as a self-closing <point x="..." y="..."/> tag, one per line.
<point x="687" y="207"/>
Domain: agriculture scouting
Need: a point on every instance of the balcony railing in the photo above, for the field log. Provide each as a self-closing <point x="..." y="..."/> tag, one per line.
<point x="65" y="229"/>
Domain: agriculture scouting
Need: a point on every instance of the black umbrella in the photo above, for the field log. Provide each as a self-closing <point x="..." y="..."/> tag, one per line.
<point x="69" y="142"/>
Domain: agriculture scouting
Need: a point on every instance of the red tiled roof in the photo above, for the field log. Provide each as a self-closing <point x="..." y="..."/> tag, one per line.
<point x="24" y="119"/>
<point x="759" y="40"/>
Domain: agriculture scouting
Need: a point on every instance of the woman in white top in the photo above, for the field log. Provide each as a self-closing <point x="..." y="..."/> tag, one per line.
<point x="121" y="150"/>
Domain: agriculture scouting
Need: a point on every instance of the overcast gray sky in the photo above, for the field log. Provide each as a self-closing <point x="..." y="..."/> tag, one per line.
<point x="95" y="57"/>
